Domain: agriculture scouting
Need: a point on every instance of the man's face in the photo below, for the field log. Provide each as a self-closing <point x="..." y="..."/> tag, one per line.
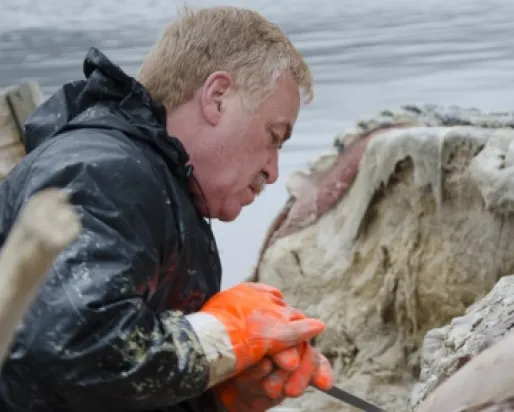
<point x="243" y="146"/>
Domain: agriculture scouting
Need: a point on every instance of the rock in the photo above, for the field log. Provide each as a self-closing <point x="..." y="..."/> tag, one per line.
<point x="420" y="232"/>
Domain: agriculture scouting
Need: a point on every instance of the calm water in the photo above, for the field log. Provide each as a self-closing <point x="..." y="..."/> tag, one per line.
<point x="364" y="56"/>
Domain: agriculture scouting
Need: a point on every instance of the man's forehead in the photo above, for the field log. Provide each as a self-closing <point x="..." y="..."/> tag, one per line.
<point x="285" y="99"/>
<point x="282" y="107"/>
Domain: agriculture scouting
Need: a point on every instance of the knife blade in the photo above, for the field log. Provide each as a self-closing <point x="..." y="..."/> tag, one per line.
<point x="350" y="399"/>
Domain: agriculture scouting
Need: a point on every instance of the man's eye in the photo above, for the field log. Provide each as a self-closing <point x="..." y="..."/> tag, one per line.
<point x="277" y="141"/>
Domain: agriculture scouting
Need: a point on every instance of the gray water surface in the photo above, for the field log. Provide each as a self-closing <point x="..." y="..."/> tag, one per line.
<point x="365" y="56"/>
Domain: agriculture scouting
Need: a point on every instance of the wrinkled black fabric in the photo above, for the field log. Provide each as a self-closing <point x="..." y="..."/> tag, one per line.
<point x="107" y="332"/>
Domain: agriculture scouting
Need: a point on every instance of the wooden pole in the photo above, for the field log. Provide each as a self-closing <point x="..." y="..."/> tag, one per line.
<point x="16" y="104"/>
<point x="45" y="226"/>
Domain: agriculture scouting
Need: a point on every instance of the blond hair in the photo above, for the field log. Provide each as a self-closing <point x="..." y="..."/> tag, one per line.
<point x="240" y="41"/>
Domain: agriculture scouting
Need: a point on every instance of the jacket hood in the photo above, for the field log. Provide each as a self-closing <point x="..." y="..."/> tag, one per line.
<point x="106" y="99"/>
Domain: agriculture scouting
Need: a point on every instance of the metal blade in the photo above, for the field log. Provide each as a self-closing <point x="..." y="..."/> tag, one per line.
<point x="350" y="399"/>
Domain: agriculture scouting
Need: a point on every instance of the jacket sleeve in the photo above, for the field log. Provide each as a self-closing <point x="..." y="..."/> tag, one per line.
<point x="89" y="334"/>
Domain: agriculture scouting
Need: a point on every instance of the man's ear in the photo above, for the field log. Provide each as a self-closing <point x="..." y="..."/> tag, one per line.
<point x="215" y="91"/>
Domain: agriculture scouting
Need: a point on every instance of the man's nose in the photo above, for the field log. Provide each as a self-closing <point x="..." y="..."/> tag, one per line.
<point x="271" y="170"/>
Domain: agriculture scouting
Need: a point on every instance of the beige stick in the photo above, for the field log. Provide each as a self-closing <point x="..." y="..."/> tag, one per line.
<point x="45" y="226"/>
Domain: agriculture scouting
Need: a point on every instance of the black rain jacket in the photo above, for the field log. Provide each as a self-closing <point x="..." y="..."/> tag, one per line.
<point x="107" y="332"/>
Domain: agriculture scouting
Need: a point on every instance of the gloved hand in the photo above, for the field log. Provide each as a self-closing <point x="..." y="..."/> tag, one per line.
<point x="288" y="378"/>
<point x="313" y="368"/>
<point x="273" y="379"/>
<point x="239" y="326"/>
<point x="246" y="392"/>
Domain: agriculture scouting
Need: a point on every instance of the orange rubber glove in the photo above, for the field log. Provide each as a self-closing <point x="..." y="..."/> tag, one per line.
<point x="313" y="368"/>
<point x="238" y="327"/>
<point x="266" y="385"/>
<point x="287" y="375"/>
<point x="246" y="392"/>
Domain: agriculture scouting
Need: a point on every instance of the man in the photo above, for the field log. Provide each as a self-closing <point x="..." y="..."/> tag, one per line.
<point x="131" y="317"/>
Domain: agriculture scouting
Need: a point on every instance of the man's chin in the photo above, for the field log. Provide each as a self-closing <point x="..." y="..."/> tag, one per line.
<point x="229" y="214"/>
